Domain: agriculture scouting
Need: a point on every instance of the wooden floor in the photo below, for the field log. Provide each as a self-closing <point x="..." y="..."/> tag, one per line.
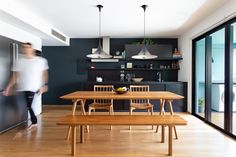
<point x="218" y="119"/>
<point x="195" y="140"/>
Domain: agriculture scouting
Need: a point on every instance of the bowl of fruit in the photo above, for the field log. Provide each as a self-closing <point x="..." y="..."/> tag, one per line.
<point x="121" y="90"/>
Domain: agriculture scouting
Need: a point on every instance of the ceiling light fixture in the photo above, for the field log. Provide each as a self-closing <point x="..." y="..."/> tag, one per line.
<point x="144" y="53"/>
<point x="99" y="53"/>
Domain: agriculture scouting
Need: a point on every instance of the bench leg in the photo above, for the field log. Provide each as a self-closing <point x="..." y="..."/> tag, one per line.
<point x="163" y="134"/>
<point x="81" y="133"/>
<point x="170" y="141"/>
<point x="73" y="143"/>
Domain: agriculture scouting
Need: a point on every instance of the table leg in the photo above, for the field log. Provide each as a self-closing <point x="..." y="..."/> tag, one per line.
<point x="172" y="113"/>
<point x="163" y="134"/>
<point x="81" y="133"/>
<point x="82" y="107"/>
<point x="83" y="112"/>
<point x="162" y="111"/>
<point x="73" y="143"/>
<point x="170" y="141"/>
<point x="73" y="113"/>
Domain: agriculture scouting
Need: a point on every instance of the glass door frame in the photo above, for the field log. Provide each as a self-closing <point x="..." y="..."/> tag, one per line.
<point x="228" y="108"/>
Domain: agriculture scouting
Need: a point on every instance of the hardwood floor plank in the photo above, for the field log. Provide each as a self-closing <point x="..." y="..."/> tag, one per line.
<point x="196" y="139"/>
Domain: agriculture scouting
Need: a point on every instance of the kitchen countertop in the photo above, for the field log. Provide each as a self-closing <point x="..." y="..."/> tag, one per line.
<point x="142" y="82"/>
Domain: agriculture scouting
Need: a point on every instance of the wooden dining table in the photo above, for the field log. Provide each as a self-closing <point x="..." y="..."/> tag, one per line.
<point x="82" y="96"/>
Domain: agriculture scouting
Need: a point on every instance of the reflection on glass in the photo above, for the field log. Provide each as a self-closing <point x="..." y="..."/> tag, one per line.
<point x="217" y="75"/>
<point x="200" y="77"/>
<point x="234" y="78"/>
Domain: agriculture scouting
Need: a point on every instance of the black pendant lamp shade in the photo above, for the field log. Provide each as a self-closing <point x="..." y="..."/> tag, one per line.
<point x="99" y="53"/>
<point x="144" y="53"/>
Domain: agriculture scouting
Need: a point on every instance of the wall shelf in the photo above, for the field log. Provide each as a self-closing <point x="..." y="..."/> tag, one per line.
<point x="110" y="69"/>
<point x="130" y="59"/>
<point x="133" y="69"/>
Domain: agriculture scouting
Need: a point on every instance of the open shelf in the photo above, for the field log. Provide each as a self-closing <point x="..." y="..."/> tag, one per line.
<point x="130" y="59"/>
<point x="134" y="69"/>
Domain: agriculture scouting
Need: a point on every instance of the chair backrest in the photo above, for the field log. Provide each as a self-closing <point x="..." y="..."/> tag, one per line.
<point x="139" y="88"/>
<point x="103" y="88"/>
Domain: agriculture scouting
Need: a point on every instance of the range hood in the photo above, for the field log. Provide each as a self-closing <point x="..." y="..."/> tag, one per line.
<point x="105" y="47"/>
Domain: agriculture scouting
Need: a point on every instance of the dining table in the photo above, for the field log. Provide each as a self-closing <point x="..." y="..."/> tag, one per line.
<point x="82" y="96"/>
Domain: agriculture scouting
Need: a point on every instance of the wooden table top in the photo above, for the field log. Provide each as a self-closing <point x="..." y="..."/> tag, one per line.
<point x="122" y="120"/>
<point x="129" y="95"/>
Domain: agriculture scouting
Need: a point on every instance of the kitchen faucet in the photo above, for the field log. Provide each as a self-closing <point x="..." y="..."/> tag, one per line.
<point x="159" y="76"/>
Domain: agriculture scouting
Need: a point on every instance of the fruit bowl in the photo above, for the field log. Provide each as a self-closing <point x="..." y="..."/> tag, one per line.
<point x="137" y="79"/>
<point x="121" y="90"/>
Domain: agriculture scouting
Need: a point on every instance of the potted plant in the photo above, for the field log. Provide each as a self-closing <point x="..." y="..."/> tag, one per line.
<point x="201" y="104"/>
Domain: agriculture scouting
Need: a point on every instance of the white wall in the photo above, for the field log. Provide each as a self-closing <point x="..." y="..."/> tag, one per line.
<point x="15" y="14"/>
<point x="14" y="33"/>
<point x="222" y="14"/>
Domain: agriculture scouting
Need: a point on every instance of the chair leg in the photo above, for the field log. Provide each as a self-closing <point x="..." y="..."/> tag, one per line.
<point x="94" y="111"/>
<point x="89" y="113"/>
<point x="112" y="109"/>
<point x="110" y="113"/>
<point x="152" y="115"/>
<point x="130" y="113"/>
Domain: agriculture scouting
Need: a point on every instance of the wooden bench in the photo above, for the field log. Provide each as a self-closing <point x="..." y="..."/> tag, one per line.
<point x="83" y="120"/>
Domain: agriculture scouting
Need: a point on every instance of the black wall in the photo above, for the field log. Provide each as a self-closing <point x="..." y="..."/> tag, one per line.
<point x="68" y="64"/>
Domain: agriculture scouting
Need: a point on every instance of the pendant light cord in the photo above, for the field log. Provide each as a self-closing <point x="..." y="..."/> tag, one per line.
<point x="144" y="23"/>
<point x="99" y="25"/>
<point x="99" y="22"/>
<point x="144" y="28"/>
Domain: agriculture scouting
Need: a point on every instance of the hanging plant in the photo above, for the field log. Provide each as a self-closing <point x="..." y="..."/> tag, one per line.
<point x="148" y="42"/>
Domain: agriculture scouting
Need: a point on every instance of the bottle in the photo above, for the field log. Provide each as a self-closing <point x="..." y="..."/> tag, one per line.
<point x="150" y="66"/>
<point x="122" y="76"/>
<point x="123" y="54"/>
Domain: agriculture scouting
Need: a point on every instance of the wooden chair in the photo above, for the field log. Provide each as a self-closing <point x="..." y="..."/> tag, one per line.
<point x="102" y="104"/>
<point x="142" y="104"/>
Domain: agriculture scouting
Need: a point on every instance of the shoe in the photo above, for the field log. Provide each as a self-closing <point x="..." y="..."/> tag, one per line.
<point x="32" y="126"/>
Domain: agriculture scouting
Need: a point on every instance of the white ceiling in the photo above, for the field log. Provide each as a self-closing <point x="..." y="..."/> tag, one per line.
<point x="122" y="18"/>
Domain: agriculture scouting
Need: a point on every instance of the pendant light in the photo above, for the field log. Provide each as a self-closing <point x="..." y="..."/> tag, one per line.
<point x="144" y="53"/>
<point x="99" y="53"/>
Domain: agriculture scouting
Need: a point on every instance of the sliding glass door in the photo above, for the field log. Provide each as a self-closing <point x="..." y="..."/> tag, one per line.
<point x="214" y="77"/>
<point x="200" y="77"/>
<point x="233" y="33"/>
<point x="217" y="78"/>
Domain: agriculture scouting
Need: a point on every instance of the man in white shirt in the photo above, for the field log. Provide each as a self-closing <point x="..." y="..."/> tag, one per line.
<point x="30" y="77"/>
